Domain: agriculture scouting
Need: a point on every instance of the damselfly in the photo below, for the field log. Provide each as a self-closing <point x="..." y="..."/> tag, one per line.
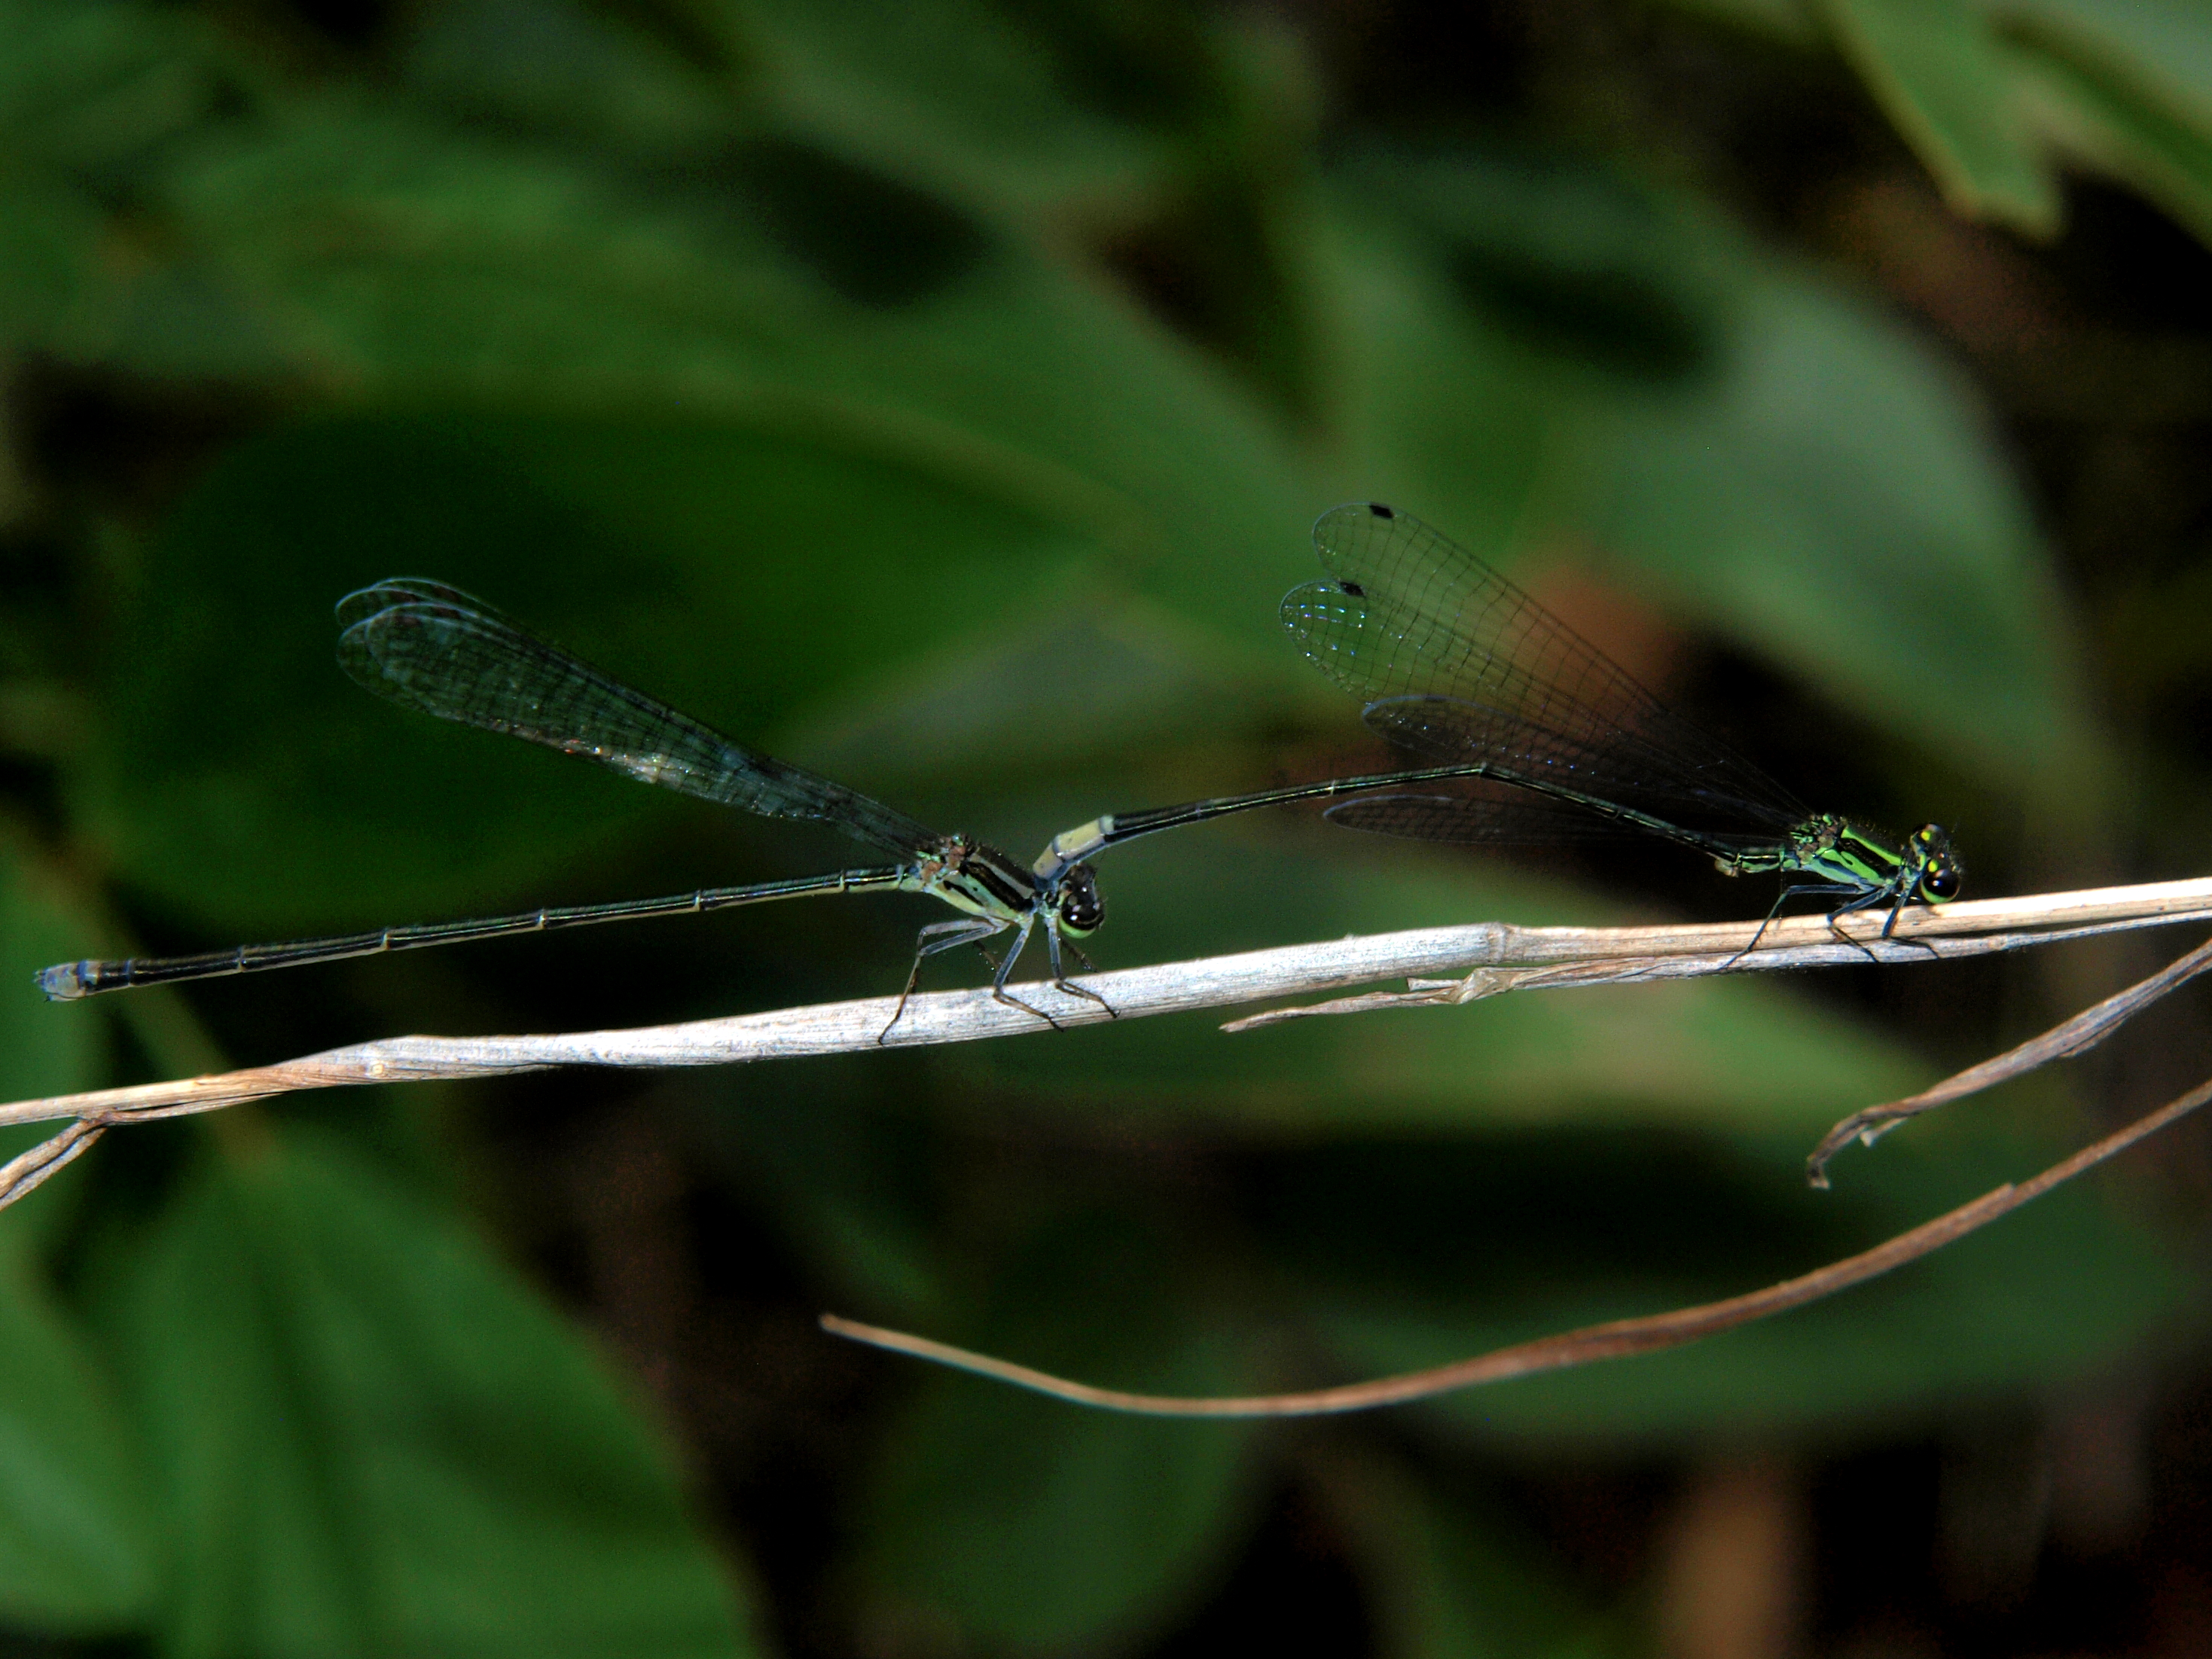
<point x="1458" y="665"/>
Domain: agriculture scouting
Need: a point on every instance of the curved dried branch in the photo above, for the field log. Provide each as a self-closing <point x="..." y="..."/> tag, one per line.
<point x="2076" y="1036"/>
<point x="1615" y="1340"/>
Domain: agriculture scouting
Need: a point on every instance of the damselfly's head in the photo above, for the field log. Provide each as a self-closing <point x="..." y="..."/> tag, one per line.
<point x="1939" y="879"/>
<point x="1076" y="903"/>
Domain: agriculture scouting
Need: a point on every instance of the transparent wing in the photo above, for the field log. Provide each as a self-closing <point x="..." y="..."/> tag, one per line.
<point x="404" y="590"/>
<point x="1493" y="815"/>
<point x="433" y="648"/>
<point x="1456" y="663"/>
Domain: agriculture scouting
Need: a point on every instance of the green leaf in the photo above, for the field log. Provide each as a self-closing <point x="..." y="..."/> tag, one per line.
<point x="1574" y="1232"/>
<point x="76" y="1550"/>
<point x="1027" y="1524"/>
<point x="1785" y="461"/>
<point x="92" y="94"/>
<point x="1451" y="1581"/>
<point x="2161" y="49"/>
<point x="76" y="1538"/>
<point x="572" y="73"/>
<point x="93" y="85"/>
<point x="966" y="716"/>
<point x="850" y="1182"/>
<point x="1440" y="410"/>
<point x="1936" y="69"/>
<point x="1584" y="263"/>
<point x="371" y="1439"/>
<point x="1835" y="498"/>
<point x="417" y="263"/>
<point x="54" y="293"/>
<point x="44" y="1050"/>
<point x="2105" y="117"/>
<point x="1707" y="1052"/>
<point x="956" y="93"/>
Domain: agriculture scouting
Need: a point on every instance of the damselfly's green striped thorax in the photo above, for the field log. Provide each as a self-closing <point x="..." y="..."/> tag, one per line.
<point x="1551" y="739"/>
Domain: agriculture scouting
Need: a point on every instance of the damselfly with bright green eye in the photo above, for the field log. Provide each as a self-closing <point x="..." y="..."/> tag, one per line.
<point x="433" y="648"/>
<point x="1557" y="741"/>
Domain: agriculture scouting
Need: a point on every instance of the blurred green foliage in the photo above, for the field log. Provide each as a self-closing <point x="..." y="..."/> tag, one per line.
<point x="936" y="393"/>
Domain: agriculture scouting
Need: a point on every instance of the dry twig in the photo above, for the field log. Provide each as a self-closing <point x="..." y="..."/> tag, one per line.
<point x="1616" y="1340"/>
<point x="1492" y="958"/>
<point x="2076" y="1036"/>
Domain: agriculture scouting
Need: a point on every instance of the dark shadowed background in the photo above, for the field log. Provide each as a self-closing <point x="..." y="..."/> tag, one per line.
<point x="937" y="393"/>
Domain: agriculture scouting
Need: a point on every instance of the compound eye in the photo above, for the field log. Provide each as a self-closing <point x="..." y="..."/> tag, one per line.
<point x="1081" y="910"/>
<point x="1940" y="883"/>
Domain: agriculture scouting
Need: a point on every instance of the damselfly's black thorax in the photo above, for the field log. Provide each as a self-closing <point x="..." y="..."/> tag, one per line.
<point x="977" y="877"/>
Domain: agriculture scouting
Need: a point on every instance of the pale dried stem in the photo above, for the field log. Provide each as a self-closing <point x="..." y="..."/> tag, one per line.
<point x="1490" y="957"/>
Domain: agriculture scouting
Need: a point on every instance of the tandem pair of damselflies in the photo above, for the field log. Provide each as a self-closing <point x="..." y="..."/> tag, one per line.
<point x="1531" y="734"/>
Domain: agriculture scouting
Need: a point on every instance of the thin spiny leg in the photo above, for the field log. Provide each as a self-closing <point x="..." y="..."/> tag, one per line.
<point x="1782" y="898"/>
<point x="945" y="936"/>
<point x="998" y="991"/>
<point x="1873" y="897"/>
<point x="1060" y="980"/>
<point x="1773" y="910"/>
<point x="1897" y="910"/>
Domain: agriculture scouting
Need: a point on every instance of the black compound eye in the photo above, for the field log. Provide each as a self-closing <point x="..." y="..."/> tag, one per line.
<point x="1081" y="910"/>
<point x="1940" y="882"/>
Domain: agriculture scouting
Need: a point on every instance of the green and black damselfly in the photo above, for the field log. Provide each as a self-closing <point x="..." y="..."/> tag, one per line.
<point x="1457" y="665"/>
<point x="1545" y="738"/>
